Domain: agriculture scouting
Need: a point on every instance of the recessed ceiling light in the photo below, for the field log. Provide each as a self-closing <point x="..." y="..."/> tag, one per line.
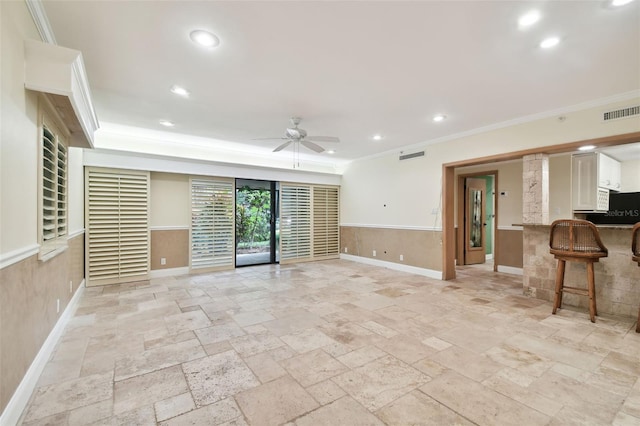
<point x="586" y="148"/>
<point x="549" y="42"/>
<point x="204" y="38"/>
<point x="439" y="117"/>
<point x="331" y="151"/>
<point x="529" y="19"/>
<point x="618" y="3"/>
<point x="167" y="123"/>
<point x="377" y="137"/>
<point x="181" y="91"/>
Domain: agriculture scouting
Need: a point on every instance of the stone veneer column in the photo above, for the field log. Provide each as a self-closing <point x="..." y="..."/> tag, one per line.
<point x="535" y="189"/>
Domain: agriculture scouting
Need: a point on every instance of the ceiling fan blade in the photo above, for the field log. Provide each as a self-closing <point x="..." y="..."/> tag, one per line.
<point x="283" y="146"/>
<point x="312" y="146"/>
<point x="323" y="138"/>
<point x="268" y="139"/>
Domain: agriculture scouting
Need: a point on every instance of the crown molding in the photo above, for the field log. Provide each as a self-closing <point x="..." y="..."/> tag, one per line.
<point x="36" y="8"/>
<point x="621" y="97"/>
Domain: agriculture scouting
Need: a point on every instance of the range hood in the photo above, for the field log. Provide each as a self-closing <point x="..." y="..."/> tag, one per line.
<point x="59" y="73"/>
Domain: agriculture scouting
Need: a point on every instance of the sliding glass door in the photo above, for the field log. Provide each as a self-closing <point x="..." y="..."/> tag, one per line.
<point x="256" y="222"/>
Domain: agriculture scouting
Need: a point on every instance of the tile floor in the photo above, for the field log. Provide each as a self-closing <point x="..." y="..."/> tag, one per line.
<point x="336" y="343"/>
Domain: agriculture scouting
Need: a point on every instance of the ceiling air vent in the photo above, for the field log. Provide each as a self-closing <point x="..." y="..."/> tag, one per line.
<point x="621" y="113"/>
<point x="413" y="155"/>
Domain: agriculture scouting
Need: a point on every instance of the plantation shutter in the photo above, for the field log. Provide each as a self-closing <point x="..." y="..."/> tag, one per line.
<point x="117" y="214"/>
<point x="54" y="191"/>
<point x="212" y="224"/>
<point x="295" y="222"/>
<point x="326" y="229"/>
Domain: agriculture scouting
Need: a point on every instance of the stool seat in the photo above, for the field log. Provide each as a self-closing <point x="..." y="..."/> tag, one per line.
<point x="635" y="250"/>
<point x="574" y="240"/>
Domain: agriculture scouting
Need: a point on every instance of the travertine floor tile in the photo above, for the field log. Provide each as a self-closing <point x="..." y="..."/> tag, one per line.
<point x="275" y="402"/>
<point x="480" y="404"/>
<point x="416" y="408"/>
<point x="376" y="384"/>
<point x="345" y="411"/>
<point x="214" y="414"/>
<point x="313" y="367"/>
<point x="60" y="397"/>
<point x="217" y="377"/>
<point x="140" y="391"/>
<point x="336" y="342"/>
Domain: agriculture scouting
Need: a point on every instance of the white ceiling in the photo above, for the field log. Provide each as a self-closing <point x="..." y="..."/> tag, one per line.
<point x="350" y="69"/>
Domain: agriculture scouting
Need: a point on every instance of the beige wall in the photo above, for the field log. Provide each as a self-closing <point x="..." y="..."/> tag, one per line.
<point x="560" y="187"/>
<point x="630" y="171"/>
<point x="419" y="248"/>
<point x="29" y="289"/>
<point x="18" y="134"/>
<point x="510" y="248"/>
<point x="411" y="189"/>
<point x="172" y="245"/>
<point x="170" y="200"/>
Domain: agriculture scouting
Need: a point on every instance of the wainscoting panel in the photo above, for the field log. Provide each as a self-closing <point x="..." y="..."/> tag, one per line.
<point x="419" y="248"/>
<point x="173" y="245"/>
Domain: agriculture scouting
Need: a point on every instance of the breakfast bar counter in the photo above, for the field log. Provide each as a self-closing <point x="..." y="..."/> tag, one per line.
<point x="617" y="277"/>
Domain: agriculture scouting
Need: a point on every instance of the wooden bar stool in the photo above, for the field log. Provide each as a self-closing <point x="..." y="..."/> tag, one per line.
<point x="635" y="249"/>
<point x="576" y="241"/>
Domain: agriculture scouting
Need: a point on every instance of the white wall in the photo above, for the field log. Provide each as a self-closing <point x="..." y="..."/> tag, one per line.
<point x="412" y="188"/>
<point x="76" y="191"/>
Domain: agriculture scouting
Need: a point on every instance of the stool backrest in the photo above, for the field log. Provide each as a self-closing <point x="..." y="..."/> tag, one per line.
<point x="635" y="242"/>
<point x="574" y="237"/>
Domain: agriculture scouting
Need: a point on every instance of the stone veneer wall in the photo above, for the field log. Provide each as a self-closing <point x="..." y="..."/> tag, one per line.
<point x="616" y="276"/>
<point x="419" y="248"/>
<point x="29" y="290"/>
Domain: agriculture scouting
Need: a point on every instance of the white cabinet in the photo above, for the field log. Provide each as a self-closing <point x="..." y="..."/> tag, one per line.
<point x="608" y="172"/>
<point x="593" y="175"/>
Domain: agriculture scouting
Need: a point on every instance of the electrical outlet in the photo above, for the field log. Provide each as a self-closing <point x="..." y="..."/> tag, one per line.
<point x="70" y="286"/>
<point x="401" y="258"/>
<point x="346" y="250"/>
<point x="374" y="253"/>
<point x="163" y="260"/>
<point x="58" y="306"/>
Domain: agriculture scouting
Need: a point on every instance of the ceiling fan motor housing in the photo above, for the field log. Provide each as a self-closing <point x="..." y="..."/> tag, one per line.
<point x="295" y="133"/>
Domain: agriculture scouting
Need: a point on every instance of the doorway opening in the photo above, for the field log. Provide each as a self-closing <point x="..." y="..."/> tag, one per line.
<point x="257" y="222"/>
<point x="477" y="220"/>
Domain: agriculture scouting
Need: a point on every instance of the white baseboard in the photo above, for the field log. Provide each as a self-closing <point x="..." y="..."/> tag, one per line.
<point x="510" y="270"/>
<point x="395" y="266"/>
<point x="170" y="272"/>
<point x="21" y="396"/>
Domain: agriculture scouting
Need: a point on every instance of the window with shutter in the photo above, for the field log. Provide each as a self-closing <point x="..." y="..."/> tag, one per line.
<point x="295" y="222"/>
<point x="212" y="224"/>
<point x="326" y="227"/>
<point x="117" y="231"/>
<point x="53" y="189"/>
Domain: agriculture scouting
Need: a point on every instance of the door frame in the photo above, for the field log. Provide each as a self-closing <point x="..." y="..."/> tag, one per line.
<point x="461" y="196"/>
<point x="449" y="191"/>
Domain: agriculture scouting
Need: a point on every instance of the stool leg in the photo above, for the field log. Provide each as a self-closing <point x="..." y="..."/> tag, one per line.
<point x="592" y="292"/>
<point x="559" y="285"/>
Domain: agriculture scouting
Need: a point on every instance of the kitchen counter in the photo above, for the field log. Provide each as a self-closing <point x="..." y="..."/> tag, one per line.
<point x="617" y="276"/>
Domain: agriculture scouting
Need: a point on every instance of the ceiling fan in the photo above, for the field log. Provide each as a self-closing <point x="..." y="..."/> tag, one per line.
<point x="295" y="135"/>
